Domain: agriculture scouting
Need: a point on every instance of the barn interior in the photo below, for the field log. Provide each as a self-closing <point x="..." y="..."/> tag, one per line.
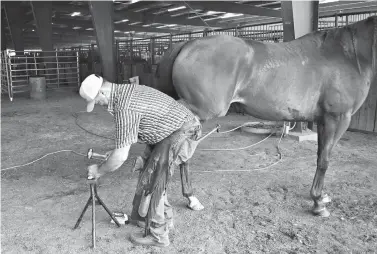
<point x="256" y="197"/>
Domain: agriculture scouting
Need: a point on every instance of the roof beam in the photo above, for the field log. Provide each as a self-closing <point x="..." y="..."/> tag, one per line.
<point x="76" y="32"/>
<point x="121" y="26"/>
<point x="235" y="8"/>
<point x="162" y="18"/>
<point x="139" y="16"/>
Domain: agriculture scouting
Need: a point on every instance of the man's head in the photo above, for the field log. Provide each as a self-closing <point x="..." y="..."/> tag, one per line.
<point x="94" y="92"/>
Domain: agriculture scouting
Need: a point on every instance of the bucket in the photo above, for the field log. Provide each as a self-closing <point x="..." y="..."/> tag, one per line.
<point x="37" y="88"/>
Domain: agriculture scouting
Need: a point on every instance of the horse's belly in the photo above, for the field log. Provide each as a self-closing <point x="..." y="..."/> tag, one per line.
<point x="270" y="109"/>
<point x="277" y="96"/>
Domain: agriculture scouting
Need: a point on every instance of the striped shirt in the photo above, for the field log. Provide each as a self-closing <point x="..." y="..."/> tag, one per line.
<point x="145" y="113"/>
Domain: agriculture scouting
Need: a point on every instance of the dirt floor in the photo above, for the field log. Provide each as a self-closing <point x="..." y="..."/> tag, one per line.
<point x="258" y="211"/>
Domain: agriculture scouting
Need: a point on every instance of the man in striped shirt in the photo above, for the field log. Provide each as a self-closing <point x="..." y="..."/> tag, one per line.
<point x="170" y="131"/>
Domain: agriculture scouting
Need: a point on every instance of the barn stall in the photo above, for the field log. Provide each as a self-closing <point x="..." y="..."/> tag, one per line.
<point x="255" y="201"/>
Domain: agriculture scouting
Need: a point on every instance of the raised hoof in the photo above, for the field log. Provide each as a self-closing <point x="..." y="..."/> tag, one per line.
<point x="326" y="198"/>
<point x="323" y="212"/>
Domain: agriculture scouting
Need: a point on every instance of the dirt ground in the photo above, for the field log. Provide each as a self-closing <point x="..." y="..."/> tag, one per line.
<point x="258" y="211"/>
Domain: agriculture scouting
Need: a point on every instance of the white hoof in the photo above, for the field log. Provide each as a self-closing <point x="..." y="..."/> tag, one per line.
<point x="326" y="198"/>
<point x="195" y="204"/>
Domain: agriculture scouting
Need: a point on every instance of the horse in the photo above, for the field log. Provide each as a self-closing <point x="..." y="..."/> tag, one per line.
<point x="321" y="77"/>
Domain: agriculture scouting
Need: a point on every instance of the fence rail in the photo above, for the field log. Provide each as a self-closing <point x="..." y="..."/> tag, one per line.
<point x="152" y="49"/>
<point x="60" y="68"/>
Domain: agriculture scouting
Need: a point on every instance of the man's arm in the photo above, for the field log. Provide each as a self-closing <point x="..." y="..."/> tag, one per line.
<point x="115" y="160"/>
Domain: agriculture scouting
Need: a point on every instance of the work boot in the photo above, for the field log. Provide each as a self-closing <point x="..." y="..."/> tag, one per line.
<point x="170" y="223"/>
<point x="149" y="240"/>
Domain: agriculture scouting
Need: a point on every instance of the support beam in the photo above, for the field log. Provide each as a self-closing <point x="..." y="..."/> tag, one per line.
<point x="299" y="18"/>
<point x="288" y="23"/>
<point x="102" y="17"/>
<point x="305" y="17"/>
<point x="3" y="36"/>
<point x="42" y="12"/>
<point x="234" y="8"/>
<point x="14" y="16"/>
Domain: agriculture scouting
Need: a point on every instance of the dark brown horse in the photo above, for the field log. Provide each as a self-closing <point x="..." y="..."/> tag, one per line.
<point x="323" y="76"/>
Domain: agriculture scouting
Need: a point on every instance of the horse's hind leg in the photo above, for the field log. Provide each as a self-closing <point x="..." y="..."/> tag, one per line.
<point x="330" y="129"/>
<point x="187" y="191"/>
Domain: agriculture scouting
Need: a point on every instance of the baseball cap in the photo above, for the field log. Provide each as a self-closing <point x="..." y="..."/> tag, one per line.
<point x="89" y="90"/>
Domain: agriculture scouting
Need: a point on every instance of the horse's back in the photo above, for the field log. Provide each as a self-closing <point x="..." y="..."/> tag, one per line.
<point x="297" y="80"/>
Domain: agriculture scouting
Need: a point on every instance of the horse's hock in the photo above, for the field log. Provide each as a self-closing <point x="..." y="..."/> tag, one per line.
<point x="37" y="88"/>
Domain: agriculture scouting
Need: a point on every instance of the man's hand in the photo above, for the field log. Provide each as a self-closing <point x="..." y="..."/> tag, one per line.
<point x="93" y="172"/>
<point x="138" y="164"/>
<point x="107" y="154"/>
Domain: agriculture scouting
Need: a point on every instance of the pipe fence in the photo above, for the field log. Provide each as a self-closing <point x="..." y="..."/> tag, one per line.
<point x="139" y="57"/>
<point x="152" y="49"/>
<point x="60" y="69"/>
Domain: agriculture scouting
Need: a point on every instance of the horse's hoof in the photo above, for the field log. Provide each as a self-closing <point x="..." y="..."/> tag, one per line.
<point x="323" y="212"/>
<point x="195" y="204"/>
<point x="326" y="198"/>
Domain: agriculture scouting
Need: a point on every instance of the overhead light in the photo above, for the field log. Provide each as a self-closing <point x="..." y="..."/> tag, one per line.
<point x="76" y="27"/>
<point x="117" y="31"/>
<point x="230" y="15"/>
<point x="327" y="1"/>
<point x="170" y="25"/>
<point x="89" y="29"/>
<point x="177" y="8"/>
<point x="121" y="21"/>
<point x="134" y="1"/>
<point x="148" y="25"/>
<point x="212" y="18"/>
<point x="214" y="12"/>
<point x="134" y="23"/>
<point x="33" y="30"/>
<point x="76" y="13"/>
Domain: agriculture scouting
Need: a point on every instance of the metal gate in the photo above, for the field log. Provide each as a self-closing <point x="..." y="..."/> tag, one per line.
<point x="5" y="84"/>
<point x="60" y="68"/>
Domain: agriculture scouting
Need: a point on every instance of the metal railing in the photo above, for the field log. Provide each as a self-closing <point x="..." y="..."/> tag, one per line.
<point x="5" y="83"/>
<point x="60" y="68"/>
<point x="151" y="49"/>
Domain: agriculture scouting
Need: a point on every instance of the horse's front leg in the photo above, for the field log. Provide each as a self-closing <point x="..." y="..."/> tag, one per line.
<point x="330" y="129"/>
<point x="187" y="191"/>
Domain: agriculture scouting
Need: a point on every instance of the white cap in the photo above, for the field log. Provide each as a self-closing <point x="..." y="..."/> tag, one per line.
<point x="89" y="90"/>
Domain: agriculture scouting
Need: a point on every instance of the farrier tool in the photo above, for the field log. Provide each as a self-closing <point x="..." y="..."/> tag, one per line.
<point x="92" y="200"/>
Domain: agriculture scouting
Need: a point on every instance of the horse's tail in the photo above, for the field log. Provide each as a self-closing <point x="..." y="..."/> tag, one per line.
<point x="163" y="75"/>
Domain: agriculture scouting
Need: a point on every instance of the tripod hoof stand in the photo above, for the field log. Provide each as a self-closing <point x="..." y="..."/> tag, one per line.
<point x="92" y="200"/>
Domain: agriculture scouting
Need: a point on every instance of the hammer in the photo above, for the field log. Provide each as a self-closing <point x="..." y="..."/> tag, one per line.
<point x="94" y="155"/>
